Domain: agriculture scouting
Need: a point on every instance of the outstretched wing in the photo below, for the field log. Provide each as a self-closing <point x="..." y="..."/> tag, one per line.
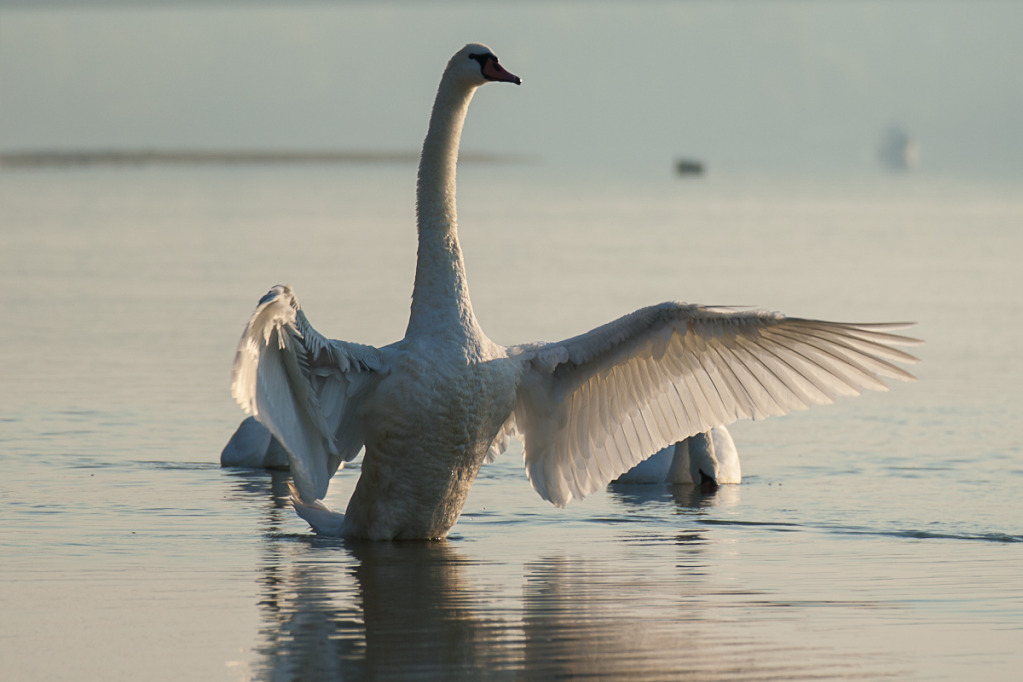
<point x="591" y="407"/>
<point x="303" y="387"/>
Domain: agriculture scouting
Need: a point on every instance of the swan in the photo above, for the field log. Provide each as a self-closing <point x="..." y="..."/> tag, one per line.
<point x="253" y="446"/>
<point x="431" y="408"/>
<point x="707" y="459"/>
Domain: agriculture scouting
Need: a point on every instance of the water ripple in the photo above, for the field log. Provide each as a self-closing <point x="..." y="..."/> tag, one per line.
<point x="914" y="534"/>
<point x="911" y="533"/>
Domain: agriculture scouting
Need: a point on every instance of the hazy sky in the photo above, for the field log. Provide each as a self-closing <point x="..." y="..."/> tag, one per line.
<point x="739" y="84"/>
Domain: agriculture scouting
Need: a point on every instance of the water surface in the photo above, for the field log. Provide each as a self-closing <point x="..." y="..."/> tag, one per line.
<point x="879" y="537"/>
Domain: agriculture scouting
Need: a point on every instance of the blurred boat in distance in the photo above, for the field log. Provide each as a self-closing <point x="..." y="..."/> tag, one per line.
<point x="898" y="150"/>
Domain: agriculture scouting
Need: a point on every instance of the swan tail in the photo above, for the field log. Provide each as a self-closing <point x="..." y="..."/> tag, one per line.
<point x="323" y="519"/>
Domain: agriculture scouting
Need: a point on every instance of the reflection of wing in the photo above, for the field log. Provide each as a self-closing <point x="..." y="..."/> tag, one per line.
<point x="305" y="388"/>
<point x="594" y="405"/>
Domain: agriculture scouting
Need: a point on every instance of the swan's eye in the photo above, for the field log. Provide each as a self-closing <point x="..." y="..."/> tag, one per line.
<point x="482" y="57"/>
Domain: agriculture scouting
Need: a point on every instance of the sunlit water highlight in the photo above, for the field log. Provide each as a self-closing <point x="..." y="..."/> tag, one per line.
<point x="880" y="537"/>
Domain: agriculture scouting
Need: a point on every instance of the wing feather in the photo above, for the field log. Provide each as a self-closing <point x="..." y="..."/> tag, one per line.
<point x="591" y="407"/>
<point x="304" y="388"/>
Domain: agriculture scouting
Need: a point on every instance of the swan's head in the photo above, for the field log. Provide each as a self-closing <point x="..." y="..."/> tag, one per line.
<point x="476" y="64"/>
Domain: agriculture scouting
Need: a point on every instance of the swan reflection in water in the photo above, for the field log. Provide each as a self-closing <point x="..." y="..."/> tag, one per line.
<point x="398" y="609"/>
<point x="366" y="610"/>
<point x="358" y="610"/>
<point x="690" y="500"/>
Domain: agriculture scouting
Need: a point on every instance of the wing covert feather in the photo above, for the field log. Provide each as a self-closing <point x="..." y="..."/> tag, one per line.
<point x="304" y="387"/>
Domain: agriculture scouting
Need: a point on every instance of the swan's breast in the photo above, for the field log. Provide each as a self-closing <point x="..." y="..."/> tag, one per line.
<point x="428" y="428"/>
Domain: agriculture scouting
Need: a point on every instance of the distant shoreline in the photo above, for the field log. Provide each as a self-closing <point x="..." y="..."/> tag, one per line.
<point x="159" y="157"/>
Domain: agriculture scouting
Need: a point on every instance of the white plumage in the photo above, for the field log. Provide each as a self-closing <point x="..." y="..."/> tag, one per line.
<point x="707" y="459"/>
<point x="253" y="446"/>
<point x="432" y="407"/>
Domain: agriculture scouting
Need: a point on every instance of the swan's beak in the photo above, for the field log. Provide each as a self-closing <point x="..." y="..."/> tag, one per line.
<point x="493" y="71"/>
<point x="708" y="484"/>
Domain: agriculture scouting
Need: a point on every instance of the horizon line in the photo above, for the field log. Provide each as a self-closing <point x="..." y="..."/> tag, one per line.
<point x="40" y="158"/>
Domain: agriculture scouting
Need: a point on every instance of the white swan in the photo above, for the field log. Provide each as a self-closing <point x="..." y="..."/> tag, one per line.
<point x="253" y="446"/>
<point x="430" y="408"/>
<point x="707" y="459"/>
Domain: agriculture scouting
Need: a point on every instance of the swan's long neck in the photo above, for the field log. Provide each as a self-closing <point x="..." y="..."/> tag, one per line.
<point x="440" y="298"/>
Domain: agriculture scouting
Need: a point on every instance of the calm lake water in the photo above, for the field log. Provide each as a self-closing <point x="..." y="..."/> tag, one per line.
<point x="881" y="537"/>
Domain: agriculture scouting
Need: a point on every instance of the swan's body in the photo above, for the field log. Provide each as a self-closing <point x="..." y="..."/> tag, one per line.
<point x="707" y="459"/>
<point x="253" y="446"/>
<point x="430" y="408"/>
